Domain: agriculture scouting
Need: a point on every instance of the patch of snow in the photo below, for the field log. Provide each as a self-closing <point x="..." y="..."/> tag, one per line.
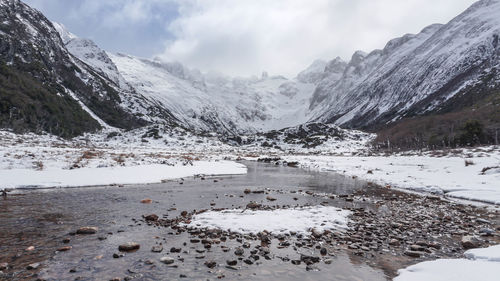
<point x="483" y="264"/>
<point x="300" y="220"/>
<point x="488" y="254"/>
<point x="90" y="112"/>
<point x="141" y="174"/>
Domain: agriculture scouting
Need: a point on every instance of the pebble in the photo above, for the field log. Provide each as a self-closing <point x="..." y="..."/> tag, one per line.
<point x="157" y="249"/>
<point x="87" y="230"/>
<point x="146" y="201"/>
<point x="64" y="249"/>
<point x="470" y="242"/>
<point x="210" y="264"/>
<point x="232" y="262"/>
<point x="129" y="246"/>
<point x="323" y="251"/>
<point x="33" y="266"/>
<point x="239" y="251"/>
<point x="167" y="260"/>
<point x="4" y="266"/>
<point x="175" y="250"/>
<point x="151" y="217"/>
<point x="253" y="205"/>
<point x="413" y="254"/>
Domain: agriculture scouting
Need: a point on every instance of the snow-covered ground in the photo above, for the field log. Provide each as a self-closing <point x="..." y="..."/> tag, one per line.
<point x="139" y="174"/>
<point x="46" y="161"/>
<point x="468" y="174"/>
<point x="299" y="220"/>
<point x="480" y="264"/>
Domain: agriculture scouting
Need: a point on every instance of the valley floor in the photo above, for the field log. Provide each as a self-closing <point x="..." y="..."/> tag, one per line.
<point x="32" y="161"/>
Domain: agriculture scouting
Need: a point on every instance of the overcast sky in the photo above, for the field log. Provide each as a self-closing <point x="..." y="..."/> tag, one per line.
<point x="246" y="37"/>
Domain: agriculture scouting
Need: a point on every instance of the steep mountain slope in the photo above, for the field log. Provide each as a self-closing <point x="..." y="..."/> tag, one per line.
<point x="87" y="52"/>
<point x="212" y="102"/>
<point x="54" y="92"/>
<point x="444" y="68"/>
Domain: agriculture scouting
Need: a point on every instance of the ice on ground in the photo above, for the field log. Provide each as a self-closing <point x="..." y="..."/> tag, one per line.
<point x="140" y="174"/>
<point x="484" y="265"/>
<point x="300" y="220"/>
<point x="444" y="175"/>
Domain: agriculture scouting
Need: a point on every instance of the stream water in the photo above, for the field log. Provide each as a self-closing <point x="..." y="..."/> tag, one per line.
<point x="43" y="218"/>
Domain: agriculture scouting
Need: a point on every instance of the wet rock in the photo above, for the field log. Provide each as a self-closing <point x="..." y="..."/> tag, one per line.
<point x="317" y="233"/>
<point x="66" y="240"/>
<point x="175" y="250"/>
<point x="328" y="261"/>
<point x="246" y="245"/>
<point x="483" y="221"/>
<point x="33" y="266"/>
<point x="210" y="264"/>
<point x="87" y="230"/>
<point x="232" y="262"/>
<point x="248" y="261"/>
<point x="310" y="267"/>
<point x="296" y="262"/>
<point x="253" y="205"/>
<point x="167" y="260"/>
<point x="146" y="201"/>
<point x="117" y="256"/>
<point x="184" y="214"/>
<point x="157" y="249"/>
<point x="470" y="242"/>
<point x="417" y="248"/>
<point x="239" y="251"/>
<point x="64" y="249"/>
<point x="151" y="217"/>
<point x="323" y="251"/>
<point x="128" y="247"/>
<point x="486" y="232"/>
<point x="269" y="198"/>
<point x="247" y="191"/>
<point x="309" y="259"/>
<point x="194" y="240"/>
<point x="394" y="242"/>
<point x="413" y="254"/>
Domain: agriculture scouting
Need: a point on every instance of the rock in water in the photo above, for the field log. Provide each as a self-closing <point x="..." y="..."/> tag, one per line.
<point x="33" y="266"/>
<point x="210" y="264"/>
<point x="87" y="230"/>
<point x="157" y="249"/>
<point x="151" y="217"/>
<point x="239" y="251"/>
<point x="253" y="205"/>
<point x="129" y="246"/>
<point x="64" y="249"/>
<point x="167" y="260"/>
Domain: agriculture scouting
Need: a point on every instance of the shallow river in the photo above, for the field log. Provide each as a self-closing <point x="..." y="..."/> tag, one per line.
<point x="43" y="218"/>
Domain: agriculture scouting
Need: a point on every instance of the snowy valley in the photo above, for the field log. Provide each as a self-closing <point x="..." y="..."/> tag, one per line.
<point x="117" y="167"/>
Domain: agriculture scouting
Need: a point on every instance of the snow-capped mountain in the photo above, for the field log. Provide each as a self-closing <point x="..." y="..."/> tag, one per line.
<point x="58" y="91"/>
<point x="438" y="69"/>
<point x="443" y="68"/>
<point x="214" y="102"/>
